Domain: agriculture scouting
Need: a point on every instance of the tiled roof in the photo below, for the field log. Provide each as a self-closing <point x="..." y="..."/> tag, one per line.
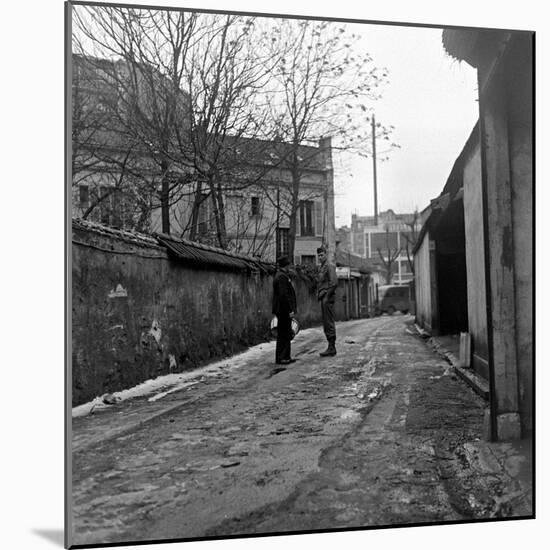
<point x="196" y="254"/>
<point x="471" y="45"/>
<point x="123" y="234"/>
<point x="460" y="43"/>
<point x="202" y="255"/>
<point x="347" y="259"/>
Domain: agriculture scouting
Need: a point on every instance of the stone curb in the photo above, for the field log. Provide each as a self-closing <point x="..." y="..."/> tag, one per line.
<point x="464" y="373"/>
<point x="473" y="380"/>
<point x="478" y="384"/>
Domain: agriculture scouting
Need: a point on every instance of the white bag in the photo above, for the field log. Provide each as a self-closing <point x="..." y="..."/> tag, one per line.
<point x="295" y="327"/>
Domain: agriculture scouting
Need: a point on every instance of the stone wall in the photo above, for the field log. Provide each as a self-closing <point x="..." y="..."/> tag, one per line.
<point x="138" y="314"/>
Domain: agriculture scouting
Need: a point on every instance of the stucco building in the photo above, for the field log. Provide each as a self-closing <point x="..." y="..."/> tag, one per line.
<point x="123" y="178"/>
<point x="258" y="211"/>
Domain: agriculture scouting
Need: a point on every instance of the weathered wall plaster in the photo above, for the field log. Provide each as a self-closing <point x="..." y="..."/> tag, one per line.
<point x="136" y="314"/>
<point x="475" y="262"/>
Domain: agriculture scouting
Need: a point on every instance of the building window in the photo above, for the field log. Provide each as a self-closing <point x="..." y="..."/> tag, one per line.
<point x="366" y="245"/>
<point x="383" y="241"/>
<point x="306" y="219"/>
<point x="104" y="204"/>
<point x="84" y="196"/>
<point x="308" y="260"/>
<point x="116" y="209"/>
<point x="255" y="206"/>
<point x="282" y="242"/>
<point x="203" y="214"/>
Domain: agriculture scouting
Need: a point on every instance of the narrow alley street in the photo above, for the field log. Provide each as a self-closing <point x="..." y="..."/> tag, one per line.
<point x="382" y="434"/>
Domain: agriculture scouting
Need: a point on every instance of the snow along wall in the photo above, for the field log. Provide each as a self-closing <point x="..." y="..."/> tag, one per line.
<point x="138" y="314"/>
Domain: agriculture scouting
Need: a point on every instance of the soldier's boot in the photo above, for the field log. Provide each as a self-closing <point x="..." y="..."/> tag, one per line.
<point x="330" y="351"/>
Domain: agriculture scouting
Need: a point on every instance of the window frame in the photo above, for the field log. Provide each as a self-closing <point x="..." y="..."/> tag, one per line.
<point x="307" y="214"/>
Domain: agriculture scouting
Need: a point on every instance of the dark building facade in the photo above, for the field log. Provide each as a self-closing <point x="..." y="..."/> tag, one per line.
<point x="474" y="257"/>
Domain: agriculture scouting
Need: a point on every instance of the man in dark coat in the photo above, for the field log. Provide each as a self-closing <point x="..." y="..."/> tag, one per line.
<point x="284" y="307"/>
<point x="326" y="291"/>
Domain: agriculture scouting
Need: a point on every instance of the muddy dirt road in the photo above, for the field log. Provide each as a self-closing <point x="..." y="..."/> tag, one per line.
<point x="360" y="439"/>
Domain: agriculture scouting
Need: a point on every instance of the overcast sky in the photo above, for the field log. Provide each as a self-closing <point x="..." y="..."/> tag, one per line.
<point x="431" y="101"/>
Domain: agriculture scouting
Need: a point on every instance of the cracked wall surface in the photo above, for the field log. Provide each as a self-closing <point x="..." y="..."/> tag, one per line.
<point x="136" y="314"/>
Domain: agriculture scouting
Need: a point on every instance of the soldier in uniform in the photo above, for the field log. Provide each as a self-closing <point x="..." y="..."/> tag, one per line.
<point x="284" y="307"/>
<point x="326" y="290"/>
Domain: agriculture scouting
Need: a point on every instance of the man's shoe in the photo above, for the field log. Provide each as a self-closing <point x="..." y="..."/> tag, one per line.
<point x="329" y="352"/>
<point x="285" y="361"/>
<point x="292" y="360"/>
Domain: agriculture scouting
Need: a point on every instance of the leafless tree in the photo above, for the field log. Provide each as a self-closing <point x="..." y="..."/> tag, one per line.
<point x="322" y="86"/>
<point x="225" y="74"/>
<point x="209" y="105"/>
<point x="411" y="236"/>
<point x="145" y="52"/>
<point x="87" y="123"/>
<point x="106" y="172"/>
<point x="388" y="257"/>
<point x="251" y="232"/>
<point x="185" y="85"/>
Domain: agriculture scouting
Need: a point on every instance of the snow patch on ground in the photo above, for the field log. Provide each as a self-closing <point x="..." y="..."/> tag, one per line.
<point x="164" y="385"/>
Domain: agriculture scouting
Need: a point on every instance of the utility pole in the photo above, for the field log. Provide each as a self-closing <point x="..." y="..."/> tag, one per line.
<point x="374" y="171"/>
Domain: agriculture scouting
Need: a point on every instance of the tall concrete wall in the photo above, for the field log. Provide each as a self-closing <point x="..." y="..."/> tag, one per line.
<point x="423" y="285"/>
<point x="506" y="116"/>
<point x="521" y="162"/>
<point x="137" y="314"/>
<point x="475" y="262"/>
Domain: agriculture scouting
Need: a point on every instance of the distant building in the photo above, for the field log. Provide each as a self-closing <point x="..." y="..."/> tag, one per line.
<point x="343" y="238"/>
<point x="355" y="294"/>
<point x="387" y="242"/>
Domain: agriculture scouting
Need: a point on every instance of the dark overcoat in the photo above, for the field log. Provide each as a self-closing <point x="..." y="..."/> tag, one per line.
<point x="284" y="296"/>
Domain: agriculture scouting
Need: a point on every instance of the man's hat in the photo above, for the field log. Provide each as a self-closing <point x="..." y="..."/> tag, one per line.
<point x="283" y="261"/>
<point x="321" y="249"/>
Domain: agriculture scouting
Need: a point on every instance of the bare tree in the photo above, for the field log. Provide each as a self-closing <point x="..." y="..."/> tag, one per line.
<point x="225" y="74"/>
<point x="411" y="236"/>
<point x="107" y="175"/>
<point x="88" y="121"/>
<point x="209" y="105"/>
<point x="186" y="84"/>
<point x="388" y="257"/>
<point x="322" y="86"/>
<point x="146" y="50"/>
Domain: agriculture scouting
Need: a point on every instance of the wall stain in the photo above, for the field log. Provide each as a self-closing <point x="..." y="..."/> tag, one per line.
<point x="507" y="259"/>
<point x="167" y="317"/>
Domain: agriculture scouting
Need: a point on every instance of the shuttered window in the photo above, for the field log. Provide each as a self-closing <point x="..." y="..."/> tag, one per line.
<point x="203" y="214"/>
<point x="282" y="242"/>
<point x="254" y="206"/>
<point x="307" y="218"/>
<point x="84" y="197"/>
<point x="104" y="205"/>
<point x="319" y="218"/>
